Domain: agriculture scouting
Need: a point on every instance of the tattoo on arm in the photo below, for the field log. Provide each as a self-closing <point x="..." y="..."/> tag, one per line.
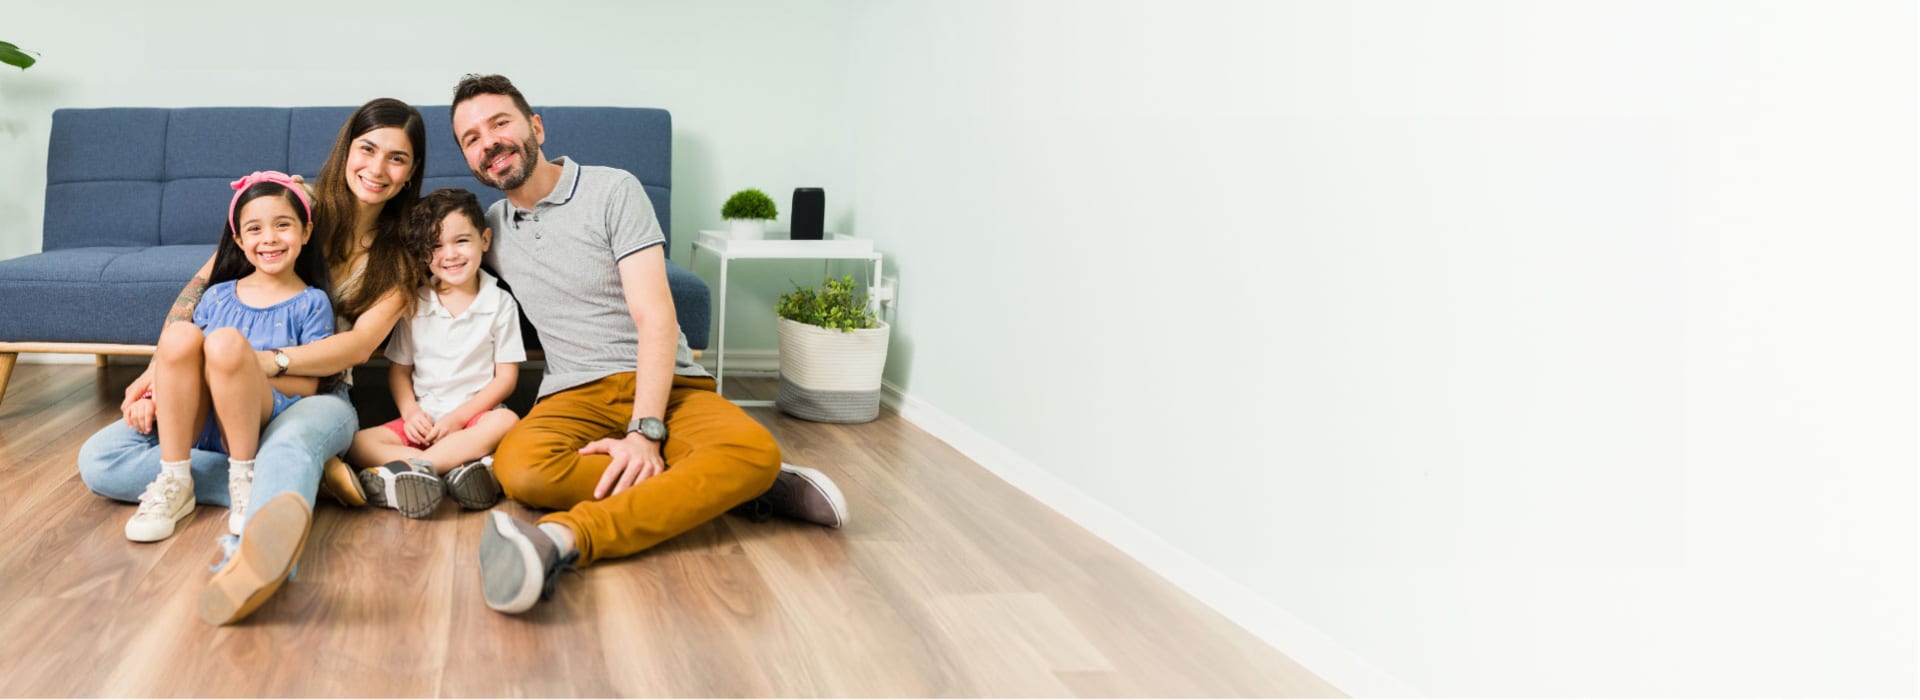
<point x="189" y="298"/>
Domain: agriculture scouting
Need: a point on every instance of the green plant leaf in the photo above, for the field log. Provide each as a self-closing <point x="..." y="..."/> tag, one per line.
<point x="15" y="56"/>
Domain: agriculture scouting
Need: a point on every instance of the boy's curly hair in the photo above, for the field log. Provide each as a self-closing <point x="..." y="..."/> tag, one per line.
<point x="423" y="225"/>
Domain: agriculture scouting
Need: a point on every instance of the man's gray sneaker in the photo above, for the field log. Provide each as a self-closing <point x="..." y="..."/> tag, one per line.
<point x="410" y="488"/>
<point x="518" y="563"/>
<point x="800" y="493"/>
<point x="473" y="486"/>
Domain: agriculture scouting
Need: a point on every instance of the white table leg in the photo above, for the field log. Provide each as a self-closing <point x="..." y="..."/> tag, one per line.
<point x="720" y="347"/>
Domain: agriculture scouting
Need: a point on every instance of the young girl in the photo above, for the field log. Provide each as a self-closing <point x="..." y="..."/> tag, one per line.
<point x="454" y="362"/>
<point x="268" y="290"/>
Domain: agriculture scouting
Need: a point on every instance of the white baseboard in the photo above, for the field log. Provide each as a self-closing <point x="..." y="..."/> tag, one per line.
<point x="1277" y="627"/>
<point x="758" y="361"/>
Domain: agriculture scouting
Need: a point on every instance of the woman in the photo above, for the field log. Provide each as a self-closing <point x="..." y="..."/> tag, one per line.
<point x="370" y="181"/>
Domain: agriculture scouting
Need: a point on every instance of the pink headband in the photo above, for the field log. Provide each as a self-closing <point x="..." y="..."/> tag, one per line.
<point x="274" y="176"/>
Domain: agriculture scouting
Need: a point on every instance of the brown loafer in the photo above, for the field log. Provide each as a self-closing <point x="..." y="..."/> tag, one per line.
<point x="274" y="538"/>
<point x="337" y="480"/>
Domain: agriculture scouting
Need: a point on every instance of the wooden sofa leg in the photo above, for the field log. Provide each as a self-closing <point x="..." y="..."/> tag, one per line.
<point x="6" y="371"/>
<point x="99" y="360"/>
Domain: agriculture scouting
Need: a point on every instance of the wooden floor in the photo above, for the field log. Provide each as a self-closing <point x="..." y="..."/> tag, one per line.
<point x="946" y="582"/>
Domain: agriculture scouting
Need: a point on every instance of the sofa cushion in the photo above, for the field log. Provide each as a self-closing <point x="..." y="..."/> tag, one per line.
<point x="123" y="293"/>
<point x="310" y="135"/>
<point x="94" y="295"/>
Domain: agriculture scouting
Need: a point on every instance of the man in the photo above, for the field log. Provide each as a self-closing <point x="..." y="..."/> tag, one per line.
<point x="628" y="442"/>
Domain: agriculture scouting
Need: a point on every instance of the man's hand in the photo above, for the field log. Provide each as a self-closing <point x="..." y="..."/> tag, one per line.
<point x="419" y="427"/>
<point x="635" y="459"/>
<point x="139" y="413"/>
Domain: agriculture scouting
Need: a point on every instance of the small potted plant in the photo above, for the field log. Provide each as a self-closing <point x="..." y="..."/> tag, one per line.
<point x="832" y="353"/>
<point x="747" y="213"/>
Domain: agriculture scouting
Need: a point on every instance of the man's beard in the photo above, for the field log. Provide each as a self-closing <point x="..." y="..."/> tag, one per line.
<point x="529" y="157"/>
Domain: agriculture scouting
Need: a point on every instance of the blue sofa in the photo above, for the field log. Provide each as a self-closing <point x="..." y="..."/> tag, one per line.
<point x="136" y="196"/>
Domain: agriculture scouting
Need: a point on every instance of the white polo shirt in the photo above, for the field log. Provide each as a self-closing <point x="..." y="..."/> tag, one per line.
<point x="453" y="356"/>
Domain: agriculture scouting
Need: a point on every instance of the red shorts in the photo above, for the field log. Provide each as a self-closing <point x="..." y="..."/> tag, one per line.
<point x="399" y="427"/>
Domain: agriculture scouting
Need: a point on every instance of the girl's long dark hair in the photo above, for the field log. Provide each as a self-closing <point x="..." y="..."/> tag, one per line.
<point x="229" y="263"/>
<point x="390" y="265"/>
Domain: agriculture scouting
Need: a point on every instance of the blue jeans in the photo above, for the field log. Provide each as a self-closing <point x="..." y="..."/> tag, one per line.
<point x="118" y="462"/>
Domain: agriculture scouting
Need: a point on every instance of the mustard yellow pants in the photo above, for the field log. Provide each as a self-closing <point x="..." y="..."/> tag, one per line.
<point x="717" y="457"/>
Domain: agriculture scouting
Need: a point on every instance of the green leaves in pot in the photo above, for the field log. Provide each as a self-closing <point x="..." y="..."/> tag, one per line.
<point x="830" y="306"/>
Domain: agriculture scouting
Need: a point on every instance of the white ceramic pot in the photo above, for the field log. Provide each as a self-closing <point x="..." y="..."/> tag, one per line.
<point x="831" y="376"/>
<point x="747" y="229"/>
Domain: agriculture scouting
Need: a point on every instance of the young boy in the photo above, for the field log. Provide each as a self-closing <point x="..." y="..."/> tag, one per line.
<point x="454" y="362"/>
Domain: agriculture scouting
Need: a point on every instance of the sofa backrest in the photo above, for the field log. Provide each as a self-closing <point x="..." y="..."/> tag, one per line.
<point x="153" y="176"/>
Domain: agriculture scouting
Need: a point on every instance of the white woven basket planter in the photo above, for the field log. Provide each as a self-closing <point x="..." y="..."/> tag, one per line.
<point x="831" y="376"/>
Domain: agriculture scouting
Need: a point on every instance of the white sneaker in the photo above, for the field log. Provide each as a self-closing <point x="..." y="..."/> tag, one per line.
<point x="164" y="504"/>
<point x="239" y="489"/>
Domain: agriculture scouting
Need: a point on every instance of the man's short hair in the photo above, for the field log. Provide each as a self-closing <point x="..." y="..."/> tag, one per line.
<point x="475" y="85"/>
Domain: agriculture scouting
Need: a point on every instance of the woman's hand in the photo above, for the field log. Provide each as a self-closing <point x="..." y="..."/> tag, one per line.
<point x="141" y="386"/>
<point x="419" y="427"/>
<point x="139" y="414"/>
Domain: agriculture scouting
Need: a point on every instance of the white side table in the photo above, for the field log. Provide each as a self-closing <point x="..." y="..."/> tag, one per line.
<point x="836" y="247"/>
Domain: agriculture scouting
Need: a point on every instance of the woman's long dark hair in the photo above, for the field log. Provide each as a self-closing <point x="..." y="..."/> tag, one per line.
<point x="390" y="265"/>
<point x="229" y="263"/>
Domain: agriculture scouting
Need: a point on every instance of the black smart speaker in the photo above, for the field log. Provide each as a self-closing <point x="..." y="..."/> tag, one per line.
<point x="809" y="210"/>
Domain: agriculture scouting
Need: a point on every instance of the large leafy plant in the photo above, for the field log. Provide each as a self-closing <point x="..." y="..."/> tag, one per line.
<point x="15" y="56"/>
<point x="832" y="305"/>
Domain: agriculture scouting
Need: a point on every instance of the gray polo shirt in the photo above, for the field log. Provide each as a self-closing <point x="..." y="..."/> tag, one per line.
<point x="561" y="260"/>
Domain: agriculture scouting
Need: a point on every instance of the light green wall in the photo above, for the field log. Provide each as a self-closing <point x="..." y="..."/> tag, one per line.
<point x="1524" y="348"/>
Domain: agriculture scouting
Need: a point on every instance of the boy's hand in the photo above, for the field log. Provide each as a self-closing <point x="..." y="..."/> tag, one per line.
<point x="139" y="413"/>
<point x="419" y="427"/>
<point x="444" y="427"/>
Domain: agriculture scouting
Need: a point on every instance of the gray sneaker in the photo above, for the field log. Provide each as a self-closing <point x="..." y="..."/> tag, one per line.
<point x="800" y="493"/>
<point x="410" y="488"/>
<point x="473" y="486"/>
<point x="518" y="563"/>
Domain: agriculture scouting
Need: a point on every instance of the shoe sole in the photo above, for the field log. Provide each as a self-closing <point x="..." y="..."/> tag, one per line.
<point x="337" y="480"/>
<point x="176" y="526"/>
<point x="275" y="537"/>
<point x="473" y="487"/>
<point x="414" y="494"/>
<point x="503" y="546"/>
<point x="819" y="480"/>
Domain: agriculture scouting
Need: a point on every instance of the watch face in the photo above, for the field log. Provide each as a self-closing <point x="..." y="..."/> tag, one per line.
<point x="653" y="428"/>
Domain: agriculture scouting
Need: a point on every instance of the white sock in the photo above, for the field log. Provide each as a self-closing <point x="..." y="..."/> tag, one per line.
<point x="178" y="471"/>
<point x="561" y="536"/>
<point x="240" y="466"/>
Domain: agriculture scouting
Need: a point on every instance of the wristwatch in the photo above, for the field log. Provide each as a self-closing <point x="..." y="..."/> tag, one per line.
<point x="281" y="359"/>
<point x="650" y="428"/>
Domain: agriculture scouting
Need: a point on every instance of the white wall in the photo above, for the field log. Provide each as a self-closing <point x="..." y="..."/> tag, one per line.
<point x="1555" y="348"/>
<point x="753" y="85"/>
